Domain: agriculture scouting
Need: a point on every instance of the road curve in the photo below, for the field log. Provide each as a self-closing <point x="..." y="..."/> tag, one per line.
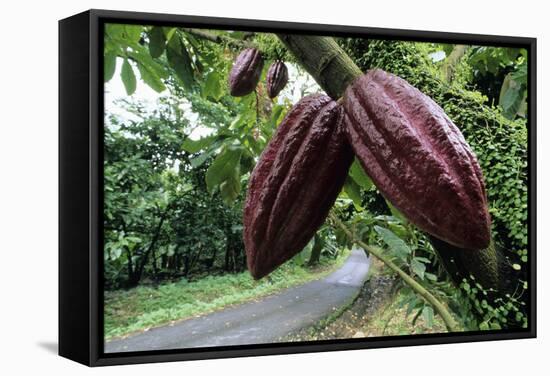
<point x="263" y="321"/>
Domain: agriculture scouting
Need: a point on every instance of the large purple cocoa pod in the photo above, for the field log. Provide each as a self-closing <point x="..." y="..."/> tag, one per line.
<point x="245" y="73"/>
<point x="277" y="78"/>
<point x="295" y="183"/>
<point x="417" y="158"/>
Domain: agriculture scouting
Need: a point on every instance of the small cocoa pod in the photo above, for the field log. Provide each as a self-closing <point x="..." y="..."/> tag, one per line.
<point x="277" y="78"/>
<point x="245" y="73"/>
<point x="417" y="158"/>
<point x="295" y="182"/>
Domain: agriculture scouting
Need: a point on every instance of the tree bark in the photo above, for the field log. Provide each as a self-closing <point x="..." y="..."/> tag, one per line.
<point x="316" y="251"/>
<point x="450" y="63"/>
<point x="138" y="272"/>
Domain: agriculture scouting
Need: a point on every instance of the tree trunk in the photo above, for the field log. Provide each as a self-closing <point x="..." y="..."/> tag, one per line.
<point x="316" y="251"/>
<point x="138" y="272"/>
<point x="450" y="63"/>
<point x="130" y="267"/>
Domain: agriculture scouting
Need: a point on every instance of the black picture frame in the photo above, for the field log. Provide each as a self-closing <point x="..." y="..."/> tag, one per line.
<point x="81" y="197"/>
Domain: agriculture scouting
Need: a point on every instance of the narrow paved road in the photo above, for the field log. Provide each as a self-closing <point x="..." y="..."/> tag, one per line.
<point x="263" y="321"/>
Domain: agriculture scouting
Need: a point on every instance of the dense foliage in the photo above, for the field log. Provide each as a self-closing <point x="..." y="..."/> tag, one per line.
<point x="499" y="143"/>
<point x="173" y="201"/>
<point x="160" y="220"/>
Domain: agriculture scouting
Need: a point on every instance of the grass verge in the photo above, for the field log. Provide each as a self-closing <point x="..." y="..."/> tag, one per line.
<point x="143" y="307"/>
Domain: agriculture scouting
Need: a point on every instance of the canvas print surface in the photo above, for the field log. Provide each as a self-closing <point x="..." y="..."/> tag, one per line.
<point x="266" y="188"/>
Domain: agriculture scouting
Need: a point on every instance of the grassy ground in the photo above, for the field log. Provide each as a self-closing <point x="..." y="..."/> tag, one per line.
<point x="392" y="320"/>
<point x="140" y="308"/>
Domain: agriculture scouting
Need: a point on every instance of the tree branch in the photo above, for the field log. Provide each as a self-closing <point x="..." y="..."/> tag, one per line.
<point x="221" y="39"/>
<point x="324" y="60"/>
<point x="450" y="322"/>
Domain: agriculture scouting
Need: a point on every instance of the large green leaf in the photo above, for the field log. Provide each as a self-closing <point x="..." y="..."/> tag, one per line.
<point x="114" y="30"/>
<point x="359" y="176"/>
<point x="150" y="77"/>
<point x="418" y="267"/>
<point x="229" y="190"/>
<point x="200" y="159"/>
<point x="141" y="55"/>
<point x="398" y="247"/>
<point x="512" y="94"/>
<point x="354" y="192"/>
<point x="194" y="146"/>
<point x="128" y="77"/>
<point x="396" y="213"/>
<point x="157" y="41"/>
<point x="180" y="61"/>
<point x="225" y="168"/>
<point x="169" y="32"/>
<point x="109" y="65"/>
<point x="132" y="32"/>
<point x="212" y="86"/>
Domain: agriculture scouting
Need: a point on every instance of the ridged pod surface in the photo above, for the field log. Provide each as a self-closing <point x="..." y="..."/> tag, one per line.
<point x="295" y="182"/>
<point x="245" y="73"/>
<point x="417" y="158"/>
<point x="277" y="78"/>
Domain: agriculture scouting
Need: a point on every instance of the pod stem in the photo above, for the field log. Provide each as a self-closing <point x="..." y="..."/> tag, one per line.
<point x="377" y="252"/>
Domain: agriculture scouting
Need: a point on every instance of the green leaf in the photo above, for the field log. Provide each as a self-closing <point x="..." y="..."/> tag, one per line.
<point x="396" y="213"/>
<point x="142" y="56"/>
<point x="212" y="86"/>
<point x="150" y="77"/>
<point x="359" y="176"/>
<point x="352" y="190"/>
<point x="132" y="32"/>
<point x="430" y="276"/>
<point x="512" y="95"/>
<point x="428" y="316"/>
<point x="200" y="159"/>
<point x="116" y="253"/>
<point x="196" y="51"/>
<point x="169" y="32"/>
<point x="224" y="168"/>
<point x="157" y="41"/>
<point x="128" y="77"/>
<point x="194" y="146"/>
<point x="520" y="74"/>
<point x="109" y="65"/>
<point x="398" y="247"/>
<point x="180" y="61"/>
<point x="230" y="190"/>
<point x="418" y="268"/>
<point x="114" y="30"/>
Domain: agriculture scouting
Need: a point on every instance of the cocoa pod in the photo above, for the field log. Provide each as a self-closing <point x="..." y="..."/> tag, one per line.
<point x="245" y="73"/>
<point x="295" y="182"/>
<point x="277" y="78"/>
<point x="418" y="158"/>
